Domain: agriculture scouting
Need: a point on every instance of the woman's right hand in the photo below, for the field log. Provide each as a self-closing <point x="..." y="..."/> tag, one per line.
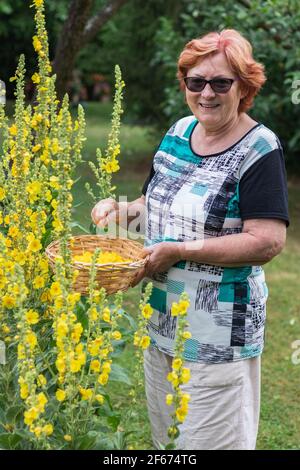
<point x="105" y="211"/>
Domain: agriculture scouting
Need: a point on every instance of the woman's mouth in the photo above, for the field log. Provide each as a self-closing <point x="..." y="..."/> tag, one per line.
<point x="209" y="106"/>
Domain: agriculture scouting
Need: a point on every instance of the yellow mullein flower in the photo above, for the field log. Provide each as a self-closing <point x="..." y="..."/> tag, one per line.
<point x="30" y="415"/>
<point x="176" y="364"/>
<point x="86" y="394"/>
<point x="36" y="43"/>
<point x="13" y="130"/>
<point x="2" y="194"/>
<point x="43" y="265"/>
<point x="95" y="365"/>
<point x="116" y="335"/>
<point x="145" y="342"/>
<point x="183" y="305"/>
<point x="103" y="379"/>
<point x="36" y="78"/>
<point x="93" y="314"/>
<point x="54" y="182"/>
<point x="147" y="311"/>
<point x="37" y="431"/>
<point x="106" y="315"/>
<point x="42" y="400"/>
<point x="174" y="309"/>
<point x="8" y="301"/>
<point x="5" y="329"/>
<point x="41" y="380"/>
<point x="24" y="391"/>
<point x="34" y="245"/>
<point x="99" y="398"/>
<point x="77" y="332"/>
<point x="181" y="414"/>
<point x="31" y="339"/>
<point x="93" y="347"/>
<point x="21" y="351"/>
<point x="38" y="282"/>
<point x="55" y="289"/>
<point x="32" y="317"/>
<point x="169" y="399"/>
<point x="173" y="378"/>
<point x="62" y="328"/>
<point x="185" y="375"/>
<point x="186" y="335"/>
<point x="106" y="367"/>
<point x="48" y="429"/>
<point x="60" y="395"/>
<point x="75" y="365"/>
<point x="38" y="3"/>
<point x="185" y="398"/>
<point x="60" y="365"/>
<point x="13" y="232"/>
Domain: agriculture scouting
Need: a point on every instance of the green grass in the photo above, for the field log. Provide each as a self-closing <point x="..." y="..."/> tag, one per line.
<point x="280" y="406"/>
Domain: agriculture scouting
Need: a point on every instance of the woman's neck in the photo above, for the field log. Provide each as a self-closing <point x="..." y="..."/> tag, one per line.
<point x="216" y="134"/>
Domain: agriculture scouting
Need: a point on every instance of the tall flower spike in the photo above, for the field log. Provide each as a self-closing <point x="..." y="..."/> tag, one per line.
<point x="108" y="163"/>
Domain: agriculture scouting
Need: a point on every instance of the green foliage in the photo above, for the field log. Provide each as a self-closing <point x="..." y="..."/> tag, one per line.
<point x="272" y="27"/>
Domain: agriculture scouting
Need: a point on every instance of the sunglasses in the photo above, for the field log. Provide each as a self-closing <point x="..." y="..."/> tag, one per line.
<point x="219" y="85"/>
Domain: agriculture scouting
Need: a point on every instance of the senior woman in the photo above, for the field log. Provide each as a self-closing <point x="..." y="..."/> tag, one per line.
<point x="216" y="200"/>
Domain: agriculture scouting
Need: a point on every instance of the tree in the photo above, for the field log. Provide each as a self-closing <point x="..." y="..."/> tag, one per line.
<point x="79" y="28"/>
<point x="273" y="30"/>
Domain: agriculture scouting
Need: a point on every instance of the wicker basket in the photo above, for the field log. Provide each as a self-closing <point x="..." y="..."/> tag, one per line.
<point x="111" y="276"/>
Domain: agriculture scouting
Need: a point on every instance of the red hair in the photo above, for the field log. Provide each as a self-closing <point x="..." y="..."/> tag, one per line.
<point x="238" y="52"/>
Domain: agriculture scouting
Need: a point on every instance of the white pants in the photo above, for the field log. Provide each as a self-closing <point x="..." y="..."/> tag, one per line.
<point x="223" y="409"/>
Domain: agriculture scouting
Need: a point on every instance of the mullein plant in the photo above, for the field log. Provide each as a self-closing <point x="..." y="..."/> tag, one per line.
<point x="180" y="374"/>
<point x="141" y="342"/>
<point x="63" y="363"/>
<point x="108" y="163"/>
<point x="59" y="346"/>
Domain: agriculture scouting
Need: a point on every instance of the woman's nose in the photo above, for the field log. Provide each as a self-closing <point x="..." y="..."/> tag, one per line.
<point x="208" y="92"/>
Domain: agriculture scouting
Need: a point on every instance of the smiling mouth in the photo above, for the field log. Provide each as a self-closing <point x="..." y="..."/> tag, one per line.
<point x="209" y="106"/>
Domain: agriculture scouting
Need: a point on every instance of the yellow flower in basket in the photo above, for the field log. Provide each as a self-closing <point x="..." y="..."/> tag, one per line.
<point x="103" y="258"/>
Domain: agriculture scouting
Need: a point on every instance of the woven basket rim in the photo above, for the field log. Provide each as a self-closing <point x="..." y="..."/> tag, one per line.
<point x="84" y="264"/>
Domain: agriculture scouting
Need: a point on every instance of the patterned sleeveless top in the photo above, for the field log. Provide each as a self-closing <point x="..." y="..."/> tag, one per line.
<point x="191" y="197"/>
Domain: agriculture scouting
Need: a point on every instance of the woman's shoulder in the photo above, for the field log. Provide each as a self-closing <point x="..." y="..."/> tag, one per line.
<point x="263" y="140"/>
<point x="181" y="126"/>
<point x="262" y="143"/>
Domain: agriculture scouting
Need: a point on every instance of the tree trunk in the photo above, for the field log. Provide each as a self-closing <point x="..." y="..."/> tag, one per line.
<point x="77" y="30"/>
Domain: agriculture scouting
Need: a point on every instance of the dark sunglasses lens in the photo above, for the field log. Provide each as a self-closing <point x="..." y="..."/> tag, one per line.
<point x="195" y="84"/>
<point x="221" y="85"/>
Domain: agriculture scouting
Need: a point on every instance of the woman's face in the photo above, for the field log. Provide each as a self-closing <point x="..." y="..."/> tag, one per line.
<point x="213" y="110"/>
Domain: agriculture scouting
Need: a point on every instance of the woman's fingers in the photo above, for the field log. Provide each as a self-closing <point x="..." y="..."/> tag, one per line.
<point x="101" y="211"/>
<point x="138" y="277"/>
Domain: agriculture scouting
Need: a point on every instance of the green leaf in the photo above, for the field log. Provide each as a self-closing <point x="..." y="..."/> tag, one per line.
<point x="13" y="412"/>
<point x="78" y="225"/>
<point x="9" y="440"/>
<point x="119" y="374"/>
<point x="114" y="421"/>
<point x="129" y="318"/>
<point x="86" y="442"/>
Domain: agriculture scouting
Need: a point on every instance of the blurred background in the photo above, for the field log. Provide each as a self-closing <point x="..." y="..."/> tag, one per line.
<point x="87" y="38"/>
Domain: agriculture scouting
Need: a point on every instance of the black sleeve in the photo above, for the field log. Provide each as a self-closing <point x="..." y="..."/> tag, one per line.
<point x="147" y="181"/>
<point x="263" y="189"/>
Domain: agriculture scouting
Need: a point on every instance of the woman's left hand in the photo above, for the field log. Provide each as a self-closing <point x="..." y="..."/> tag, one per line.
<point x="162" y="256"/>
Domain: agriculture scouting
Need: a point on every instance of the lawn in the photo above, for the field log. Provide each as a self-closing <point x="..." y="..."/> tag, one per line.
<point x="280" y="407"/>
